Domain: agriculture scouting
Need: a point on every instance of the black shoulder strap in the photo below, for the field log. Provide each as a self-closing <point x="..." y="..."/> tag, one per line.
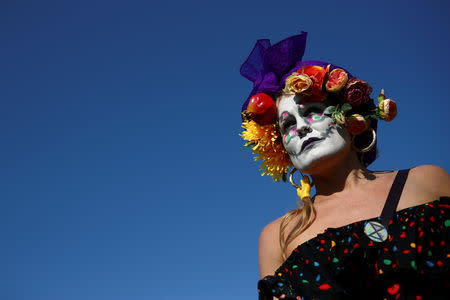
<point x="390" y="206"/>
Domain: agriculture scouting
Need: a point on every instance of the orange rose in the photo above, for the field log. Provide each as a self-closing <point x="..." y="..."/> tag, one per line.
<point x="336" y="80"/>
<point x="316" y="73"/>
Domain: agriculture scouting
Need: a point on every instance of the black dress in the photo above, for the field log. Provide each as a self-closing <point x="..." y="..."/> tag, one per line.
<point x="344" y="263"/>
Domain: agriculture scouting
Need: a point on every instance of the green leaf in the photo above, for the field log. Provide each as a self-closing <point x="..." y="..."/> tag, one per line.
<point x="346" y="107"/>
<point x="329" y="110"/>
<point x="375" y="116"/>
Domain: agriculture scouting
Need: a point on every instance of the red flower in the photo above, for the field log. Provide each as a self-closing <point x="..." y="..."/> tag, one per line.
<point x="356" y="92"/>
<point x="317" y="75"/>
<point x="356" y="124"/>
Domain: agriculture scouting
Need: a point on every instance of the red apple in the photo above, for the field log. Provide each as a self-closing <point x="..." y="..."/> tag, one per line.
<point x="262" y="109"/>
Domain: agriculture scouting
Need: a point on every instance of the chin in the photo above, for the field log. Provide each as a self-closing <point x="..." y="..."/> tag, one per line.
<point x="323" y="156"/>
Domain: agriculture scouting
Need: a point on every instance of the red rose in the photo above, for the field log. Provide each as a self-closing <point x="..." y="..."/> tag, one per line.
<point x="356" y="92"/>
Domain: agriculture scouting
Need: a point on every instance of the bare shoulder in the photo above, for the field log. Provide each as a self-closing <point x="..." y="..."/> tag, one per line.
<point x="433" y="179"/>
<point x="425" y="183"/>
<point x="270" y="257"/>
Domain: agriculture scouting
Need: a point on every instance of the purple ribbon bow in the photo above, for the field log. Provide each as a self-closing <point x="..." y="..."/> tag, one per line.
<point x="268" y="66"/>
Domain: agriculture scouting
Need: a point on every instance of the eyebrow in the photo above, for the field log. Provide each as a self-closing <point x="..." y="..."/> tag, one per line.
<point x="299" y="100"/>
<point x="307" y="106"/>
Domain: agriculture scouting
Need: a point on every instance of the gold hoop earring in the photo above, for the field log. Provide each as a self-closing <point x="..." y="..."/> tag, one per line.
<point x="366" y="149"/>
<point x="304" y="189"/>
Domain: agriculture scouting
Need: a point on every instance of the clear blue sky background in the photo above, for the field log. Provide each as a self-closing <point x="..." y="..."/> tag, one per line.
<point x="122" y="172"/>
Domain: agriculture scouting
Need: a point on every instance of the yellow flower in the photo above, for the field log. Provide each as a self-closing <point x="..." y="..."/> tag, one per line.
<point x="297" y="83"/>
<point x="267" y="148"/>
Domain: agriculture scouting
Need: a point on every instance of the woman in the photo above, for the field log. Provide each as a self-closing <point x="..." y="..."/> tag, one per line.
<point x="365" y="234"/>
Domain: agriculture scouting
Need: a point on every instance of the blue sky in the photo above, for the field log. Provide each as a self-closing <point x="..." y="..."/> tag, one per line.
<point x="122" y="172"/>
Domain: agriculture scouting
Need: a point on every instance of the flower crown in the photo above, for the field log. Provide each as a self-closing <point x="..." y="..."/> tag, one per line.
<point x="314" y="81"/>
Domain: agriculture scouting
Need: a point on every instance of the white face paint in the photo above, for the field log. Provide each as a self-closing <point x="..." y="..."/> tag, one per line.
<point x="309" y="136"/>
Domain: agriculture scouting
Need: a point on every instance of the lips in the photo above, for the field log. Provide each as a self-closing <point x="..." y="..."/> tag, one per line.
<point x="309" y="142"/>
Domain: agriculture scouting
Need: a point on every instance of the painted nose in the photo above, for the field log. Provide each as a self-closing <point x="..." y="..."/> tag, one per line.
<point x="303" y="131"/>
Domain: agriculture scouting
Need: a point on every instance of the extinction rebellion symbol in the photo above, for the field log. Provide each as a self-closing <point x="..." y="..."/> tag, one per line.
<point x="375" y="231"/>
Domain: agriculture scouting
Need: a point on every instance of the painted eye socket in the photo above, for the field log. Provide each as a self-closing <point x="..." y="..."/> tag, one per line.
<point x="283" y="116"/>
<point x="287" y="123"/>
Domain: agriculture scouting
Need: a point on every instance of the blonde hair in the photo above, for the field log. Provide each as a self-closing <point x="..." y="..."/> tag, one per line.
<point x="305" y="213"/>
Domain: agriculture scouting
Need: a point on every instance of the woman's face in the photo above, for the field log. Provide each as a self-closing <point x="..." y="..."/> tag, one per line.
<point x="311" y="138"/>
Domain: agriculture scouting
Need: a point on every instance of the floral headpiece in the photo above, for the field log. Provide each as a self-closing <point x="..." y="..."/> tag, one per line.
<point x="277" y="68"/>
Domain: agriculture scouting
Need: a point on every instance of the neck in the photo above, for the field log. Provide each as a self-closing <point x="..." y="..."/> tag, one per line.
<point x="344" y="176"/>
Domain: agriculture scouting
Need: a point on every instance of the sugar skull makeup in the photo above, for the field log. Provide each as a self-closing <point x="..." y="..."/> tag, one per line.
<point x="309" y="136"/>
<point x="316" y="117"/>
<point x="288" y="135"/>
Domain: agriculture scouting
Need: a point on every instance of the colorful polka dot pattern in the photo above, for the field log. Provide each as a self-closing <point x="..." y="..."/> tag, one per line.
<point x="344" y="263"/>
